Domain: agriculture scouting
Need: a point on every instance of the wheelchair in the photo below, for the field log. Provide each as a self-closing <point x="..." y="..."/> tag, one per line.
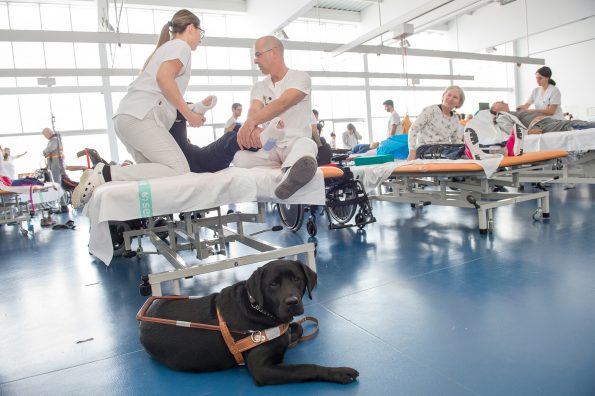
<point x="346" y="198"/>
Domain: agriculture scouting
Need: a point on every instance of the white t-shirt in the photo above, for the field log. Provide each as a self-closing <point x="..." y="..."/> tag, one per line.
<point x="297" y="118"/>
<point x="144" y="93"/>
<point x="230" y="122"/>
<point x="8" y="168"/>
<point x="395" y="120"/>
<point x="542" y="100"/>
<point x="2" y="170"/>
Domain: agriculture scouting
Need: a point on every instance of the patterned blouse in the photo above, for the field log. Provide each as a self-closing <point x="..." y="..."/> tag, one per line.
<point x="433" y="127"/>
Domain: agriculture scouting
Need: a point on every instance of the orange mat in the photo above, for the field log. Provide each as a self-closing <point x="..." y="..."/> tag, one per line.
<point x="331" y="171"/>
<point x="446" y="167"/>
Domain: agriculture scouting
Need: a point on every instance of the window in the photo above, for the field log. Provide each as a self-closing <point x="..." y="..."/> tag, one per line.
<point x="55" y="17"/>
<point x="35" y="112"/>
<point x="6" y="58"/>
<point x="11" y="117"/>
<point x="93" y="111"/>
<point x="59" y="55"/>
<point x="24" y="16"/>
<point x="28" y="55"/>
<point x="87" y="55"/>
<point x="84" y="19"/>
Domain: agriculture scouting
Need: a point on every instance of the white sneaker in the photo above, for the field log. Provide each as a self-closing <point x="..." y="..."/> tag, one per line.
<point x="296" y="177"/>
<point x="90" y="179"/>
<point x="273" y="132"/>
<point x="200" y="108"/>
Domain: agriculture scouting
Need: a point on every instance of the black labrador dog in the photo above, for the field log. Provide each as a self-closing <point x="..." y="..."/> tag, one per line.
<point x="271" y="296"/>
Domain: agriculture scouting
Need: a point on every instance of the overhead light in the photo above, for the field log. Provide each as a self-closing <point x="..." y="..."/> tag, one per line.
<point x="401" y="32"/>
<point x="491" y="50"/>
<point x="281" y="35"/>
<point x="47" y="81"/>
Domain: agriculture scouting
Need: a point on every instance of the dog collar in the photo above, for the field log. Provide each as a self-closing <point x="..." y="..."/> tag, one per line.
<point x="257" y="307"/>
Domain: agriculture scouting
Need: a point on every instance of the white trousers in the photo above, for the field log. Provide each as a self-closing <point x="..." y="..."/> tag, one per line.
<point x="152" y="147"/>
<point x="278" y="156"/>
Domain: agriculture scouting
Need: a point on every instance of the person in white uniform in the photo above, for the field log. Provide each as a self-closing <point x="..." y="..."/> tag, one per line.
<point x="9" y="162"/>
<point x="232" y="123"/>
<point x="351" y="137"/>
<point x="395" y="127"/>
<point x="148" y="111"/>
<point x="546" y="98"/>
<point x="283" y="93"/>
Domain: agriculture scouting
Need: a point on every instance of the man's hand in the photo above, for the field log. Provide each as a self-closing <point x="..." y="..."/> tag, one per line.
<point x="249" y="136"/>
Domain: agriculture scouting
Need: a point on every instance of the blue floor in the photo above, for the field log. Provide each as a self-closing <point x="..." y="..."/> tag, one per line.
<point x="420" y="304"/>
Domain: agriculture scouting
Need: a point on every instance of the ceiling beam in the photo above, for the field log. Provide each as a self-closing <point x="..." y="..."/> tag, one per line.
<point x="219" y="72"/>
<point x="138" y="38"/>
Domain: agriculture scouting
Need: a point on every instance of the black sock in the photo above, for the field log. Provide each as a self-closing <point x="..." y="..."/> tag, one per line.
<point x="107" y="173"/>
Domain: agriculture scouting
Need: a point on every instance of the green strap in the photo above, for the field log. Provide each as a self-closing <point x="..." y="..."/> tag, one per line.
<point x="145" y="199"/>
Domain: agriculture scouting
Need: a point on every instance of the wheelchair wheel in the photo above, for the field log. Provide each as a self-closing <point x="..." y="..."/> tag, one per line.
<point x="341" y="214"/>
<point x="117" y="229"/>
<point x="292" y="216"/>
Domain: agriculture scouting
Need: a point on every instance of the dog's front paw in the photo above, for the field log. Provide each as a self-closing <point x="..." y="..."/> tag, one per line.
<point x="343" y="375"/>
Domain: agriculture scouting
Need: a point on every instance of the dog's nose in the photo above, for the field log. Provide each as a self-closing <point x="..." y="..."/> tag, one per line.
<point x="291" y="301"/>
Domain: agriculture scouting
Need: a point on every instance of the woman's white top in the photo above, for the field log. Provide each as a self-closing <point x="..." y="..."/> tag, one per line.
<point x="144" y="94"/>
<point x="433" y="127"/>
<point x="542" y="99"/>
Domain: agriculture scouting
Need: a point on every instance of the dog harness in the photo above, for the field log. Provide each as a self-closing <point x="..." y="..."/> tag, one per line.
<point x="254" y="339"/>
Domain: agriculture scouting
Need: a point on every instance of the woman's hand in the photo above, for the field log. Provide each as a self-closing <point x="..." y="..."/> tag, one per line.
<point x="195" y="120"/>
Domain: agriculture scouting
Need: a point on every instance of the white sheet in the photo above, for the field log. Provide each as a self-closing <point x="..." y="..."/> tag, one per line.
<point x="51" y="192"/>
<point x="189" y="192"/>
<point x="579" y="140"/>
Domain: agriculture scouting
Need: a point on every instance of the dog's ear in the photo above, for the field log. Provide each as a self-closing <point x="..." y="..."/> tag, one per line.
<point x="311" y="277"/>
<point x="253" y="286"/>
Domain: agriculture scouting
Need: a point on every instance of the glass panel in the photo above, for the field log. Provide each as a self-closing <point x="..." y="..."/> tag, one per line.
<point x="6" y="82"/>
<point x="24" y="16"/>
<point x="93" y="110"/>
<point x="119" y="57"/>
<point x="123" y="81"/>
<point x="11" y="118"/>
<point x="140" y="20"/>
<point x="214" y="25"/>
<point x="217" y="58"/>
<point x="140" y="53"/>
<point x="113" y="18"/>
<point x="67" y="81"/>
<point x="239" y="58"/>
<point x="90" y="81"/>
<point x="55" y="17"/>
<point x="84" y="19"/>
<point x="67" y="111"/>
<point x="28" y="55"/>
<point x="160" y="18"/>
<point x="6" y="58"/>
<point x="35" y="112"/>
<point x="4" y="16"/>
<point x="116" y="98"/>
<point x="59" y="55"/>
<point x="199" y="58"/>
<point x="27" y="82"/>
<point x="87" y="55"/>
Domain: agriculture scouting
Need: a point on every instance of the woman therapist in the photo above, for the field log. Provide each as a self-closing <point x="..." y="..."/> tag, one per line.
<point x="148" y="111"/>
<point x="546" y="98"/>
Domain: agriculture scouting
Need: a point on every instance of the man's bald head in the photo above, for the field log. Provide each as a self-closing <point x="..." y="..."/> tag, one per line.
<point x="47" y="132"/>
<point x="267" y="42"/>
